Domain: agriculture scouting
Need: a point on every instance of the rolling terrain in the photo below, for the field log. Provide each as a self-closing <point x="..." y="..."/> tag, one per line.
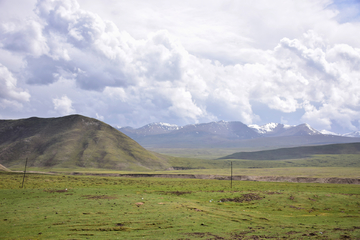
<point x="71" y="142"/>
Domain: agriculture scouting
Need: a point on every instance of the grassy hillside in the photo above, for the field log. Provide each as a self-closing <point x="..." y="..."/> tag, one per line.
<point x="72" y="141"/>
<point x="297" y="152"/>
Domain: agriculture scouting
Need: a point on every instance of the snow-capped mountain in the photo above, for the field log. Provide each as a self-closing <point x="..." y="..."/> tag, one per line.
<point x="352" y="134"/>
<point x="278" y="129"/>
<point x="326" y="132"/>
<point x="232" y="134"/>
<point x="229" y="130"/>
<point x="269" y="128"/>
<point x="355" y="134"/>
<point x="149" y="129"/>
<point x="232" y="130"/>
<point x="159" y="128"/>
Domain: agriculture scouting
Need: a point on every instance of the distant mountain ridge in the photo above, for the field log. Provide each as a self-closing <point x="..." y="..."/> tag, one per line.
<point x="297" y="152"/>
<point x="230" y="134"/>
<point x="352" y="134"/>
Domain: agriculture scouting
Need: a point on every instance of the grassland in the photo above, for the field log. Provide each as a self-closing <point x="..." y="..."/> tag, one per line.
<point x="87" y="207"/>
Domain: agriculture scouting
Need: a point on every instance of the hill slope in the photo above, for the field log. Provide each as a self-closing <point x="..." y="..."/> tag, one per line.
<point x="72" y="141"/>
<point x="297" y="152"/>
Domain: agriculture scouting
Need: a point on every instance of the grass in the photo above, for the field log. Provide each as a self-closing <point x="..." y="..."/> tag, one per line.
<point x="200" y="153"/>
<point x="138" y="208"/>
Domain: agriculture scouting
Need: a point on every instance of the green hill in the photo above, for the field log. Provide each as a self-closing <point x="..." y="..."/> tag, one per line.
<point x="70" y="142"/>
<point x="297" y="152"/>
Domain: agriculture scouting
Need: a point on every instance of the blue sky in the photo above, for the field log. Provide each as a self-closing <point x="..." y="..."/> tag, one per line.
<point x="349" y="10"/>
<point x="129" y="63"/>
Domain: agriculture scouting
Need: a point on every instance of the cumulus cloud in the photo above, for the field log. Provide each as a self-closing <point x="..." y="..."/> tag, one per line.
<point x="333" y="81"/>
<point x="23" y="37"/>
<point x="162" y="77"/>
<point x="10" y="94"/>
<point x="63" y="105"/>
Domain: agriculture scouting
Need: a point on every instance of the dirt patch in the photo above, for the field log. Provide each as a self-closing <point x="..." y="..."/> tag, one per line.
<point x="204" y="234"/>
<point x="241" y="235"/>
<point x="103" y="229"/>
<point x="177" y="193"/>
<point x="347" y="229"/>
<point x="195" y="209"/>
<point x="98" y="197"/>
<point x="272" y="193"/>
<point x="309" y="234"/>
<point x="298" y="208"/>
<point x="53" y="190"/>
<point x="244" y="198"/>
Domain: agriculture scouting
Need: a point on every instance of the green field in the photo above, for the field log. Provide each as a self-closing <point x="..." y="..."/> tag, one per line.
<point x="159" y="208"/>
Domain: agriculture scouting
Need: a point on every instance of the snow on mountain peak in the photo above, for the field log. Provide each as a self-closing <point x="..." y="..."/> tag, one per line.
<point x="313" y="131"/>
<point x="264" y="128"/>
<point x="352" y="134"/>
<point x="326" y="132"/>
<point x="166" y="126"/>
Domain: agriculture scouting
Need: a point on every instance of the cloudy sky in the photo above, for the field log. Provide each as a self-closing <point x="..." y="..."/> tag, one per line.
<point x="129" y="63"/>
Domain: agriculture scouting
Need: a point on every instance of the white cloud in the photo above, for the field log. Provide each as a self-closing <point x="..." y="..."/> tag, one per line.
<point x="63" y="105"/>
<point x="23" y="38"/>
<point x="188" y="61"/>
<point x="10" y="94"/>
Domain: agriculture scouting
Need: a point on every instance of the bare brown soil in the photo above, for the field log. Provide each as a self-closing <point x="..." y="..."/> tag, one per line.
<point x="177" y="193"/>
<point x="98" y="197"/>
<point x="53" y="191"/>
<point x="243" y="198"/>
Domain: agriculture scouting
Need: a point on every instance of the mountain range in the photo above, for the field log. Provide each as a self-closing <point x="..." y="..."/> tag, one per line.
<point x="76" y="141"/>
<point x="234" y="134"/>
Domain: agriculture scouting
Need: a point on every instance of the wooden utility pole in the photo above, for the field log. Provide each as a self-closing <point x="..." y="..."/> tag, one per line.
<point x="24" y="173"/>
<point x="231" y="176"/>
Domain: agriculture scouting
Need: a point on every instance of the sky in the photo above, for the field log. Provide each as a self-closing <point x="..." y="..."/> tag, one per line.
<point x="130" y="63"/>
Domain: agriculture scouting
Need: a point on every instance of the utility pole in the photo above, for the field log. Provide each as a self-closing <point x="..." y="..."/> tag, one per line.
<point x="231" y="176"/>
<point x="24" y="173"/>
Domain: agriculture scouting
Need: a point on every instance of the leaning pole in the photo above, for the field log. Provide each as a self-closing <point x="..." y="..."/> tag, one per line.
<point x="24" y="173"/>
<point x="231" y="176"/>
